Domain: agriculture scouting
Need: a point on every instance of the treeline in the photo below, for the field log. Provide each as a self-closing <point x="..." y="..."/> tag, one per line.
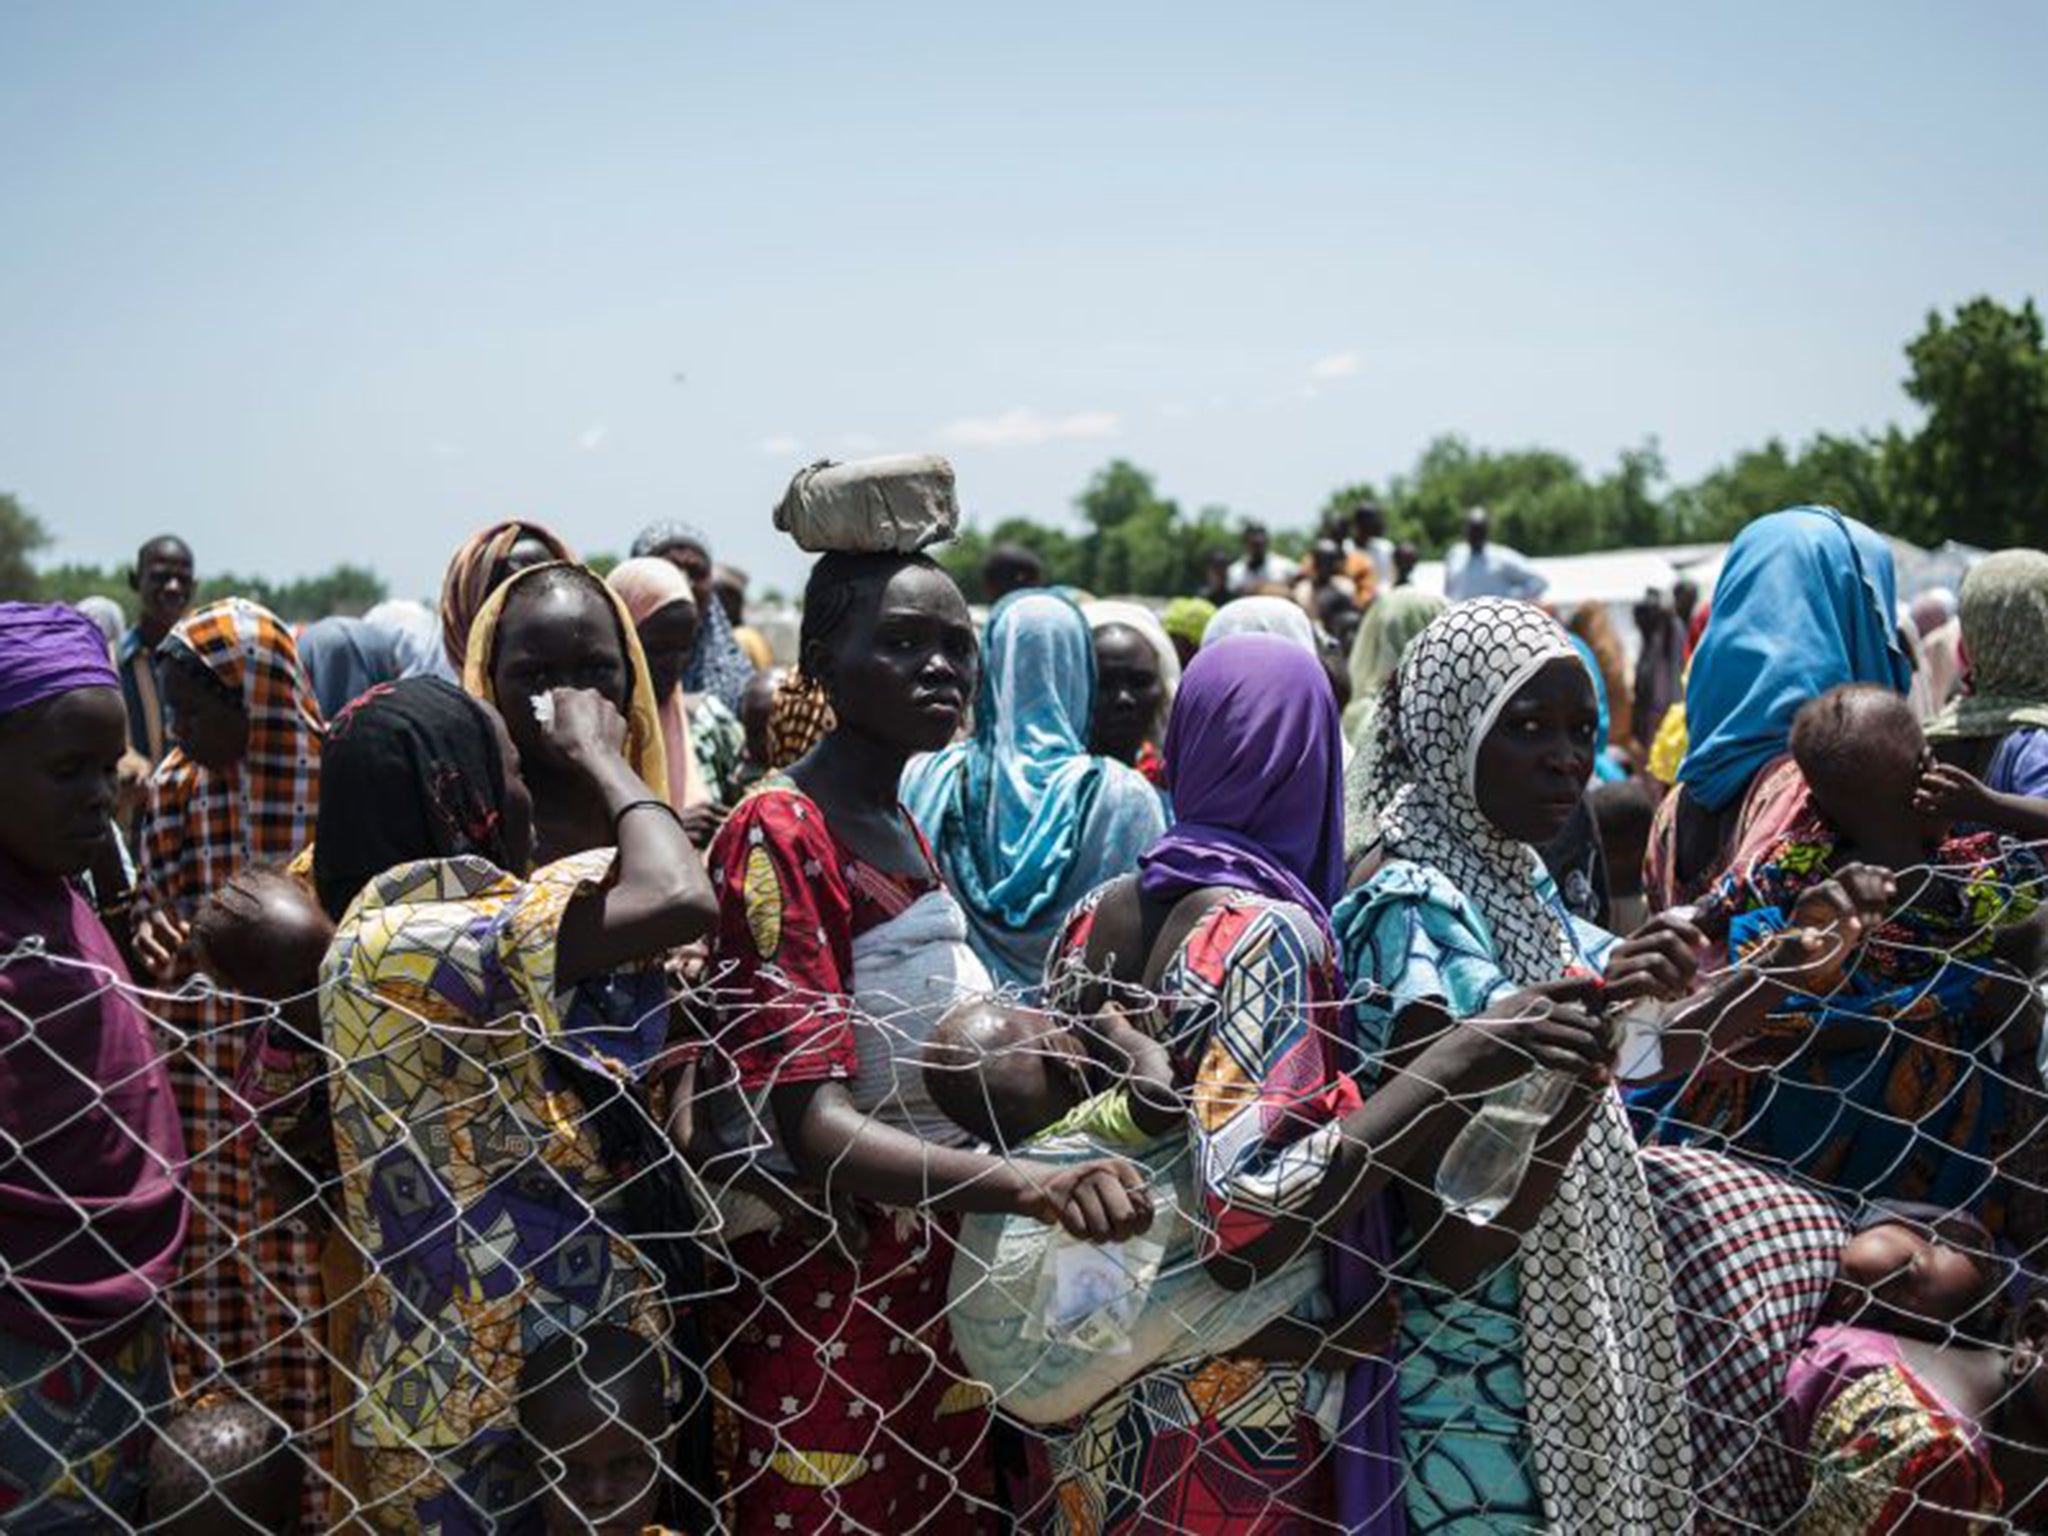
<point x="1975" y="470"/>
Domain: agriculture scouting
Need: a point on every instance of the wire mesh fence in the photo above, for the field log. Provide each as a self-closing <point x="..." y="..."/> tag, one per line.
<point x="575" y="1263"/>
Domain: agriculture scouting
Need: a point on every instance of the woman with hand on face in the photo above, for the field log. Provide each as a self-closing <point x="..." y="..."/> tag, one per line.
<point x="241" y="787"/>
<point x="91" y="1214"/>
<point x="839" y="950"/>
<point x="1548" y="1331"/>
<point x="706" y="747"/>
<point x="558" y="626"/>
<point x="495" y="1030"/>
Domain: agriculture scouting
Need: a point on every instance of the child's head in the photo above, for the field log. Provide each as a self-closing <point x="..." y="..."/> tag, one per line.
<point x="1918" y="1272"/>
<point x="591" y="1405"/>
<point x="224" y="1467"/>
<point x="1861" y="751"/>
<point x="263" y="934"/>
<point x="1002" y="1072"/>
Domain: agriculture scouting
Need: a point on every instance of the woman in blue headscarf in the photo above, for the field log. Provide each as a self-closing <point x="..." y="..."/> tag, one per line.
<point x="1807" y="601"/>
<point x="1023" y="818"/>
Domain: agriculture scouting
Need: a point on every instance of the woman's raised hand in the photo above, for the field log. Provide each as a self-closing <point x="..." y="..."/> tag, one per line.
<point x="581" y="725"/>
<point x="1833" y="918"/>
<point x="1103" y="1201"/>
<point x="1661" y="959"/>
<point x="1552" y="1024"/>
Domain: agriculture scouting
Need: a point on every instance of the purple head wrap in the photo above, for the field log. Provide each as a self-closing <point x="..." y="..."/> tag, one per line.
<point x="1256" y="769"/>
<point x="47" y="649"/>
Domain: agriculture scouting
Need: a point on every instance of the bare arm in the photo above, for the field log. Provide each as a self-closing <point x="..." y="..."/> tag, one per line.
<point x="1948" y="791"/>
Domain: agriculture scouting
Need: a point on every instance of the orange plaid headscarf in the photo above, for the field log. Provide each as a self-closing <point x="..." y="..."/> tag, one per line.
<point x="204" y="824"/>
<point x="468" y="582"/>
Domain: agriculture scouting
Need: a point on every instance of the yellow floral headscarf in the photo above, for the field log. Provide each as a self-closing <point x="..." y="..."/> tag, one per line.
<point x="643" y="749"/>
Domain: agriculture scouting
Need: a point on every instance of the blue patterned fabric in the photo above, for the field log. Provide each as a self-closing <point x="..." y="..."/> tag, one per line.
<point x="1408" y="936"/>
<point x="70" y="1457"/>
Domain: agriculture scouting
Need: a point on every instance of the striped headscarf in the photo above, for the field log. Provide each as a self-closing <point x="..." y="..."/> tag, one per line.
<point x="203" y="824"/>
<point x="469" y="580"/>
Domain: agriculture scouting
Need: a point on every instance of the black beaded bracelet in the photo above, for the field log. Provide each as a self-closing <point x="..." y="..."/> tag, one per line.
<point x="629" y="809"/>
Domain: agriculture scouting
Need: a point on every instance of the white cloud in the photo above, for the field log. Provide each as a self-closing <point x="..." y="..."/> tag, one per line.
<point x="1310" y="392"/>
<point x="591" y="438"/>
<point x="1338" y="365"/>
<point x="1024" y="428"/>
<point x="859" y="442"/>
<point x="782" y="445"/>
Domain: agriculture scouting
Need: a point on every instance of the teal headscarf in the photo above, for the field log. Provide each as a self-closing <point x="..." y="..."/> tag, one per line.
<point x="1011" y="812"/>
<point x="1807" y="601"/>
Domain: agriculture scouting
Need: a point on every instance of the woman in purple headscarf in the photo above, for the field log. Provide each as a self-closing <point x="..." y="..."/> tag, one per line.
<point x="1221" y="946"/>
<point x="91" y="1213"/>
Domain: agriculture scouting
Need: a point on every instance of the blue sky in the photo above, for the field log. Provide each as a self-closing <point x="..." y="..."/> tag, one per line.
<point x="312" y="283"/>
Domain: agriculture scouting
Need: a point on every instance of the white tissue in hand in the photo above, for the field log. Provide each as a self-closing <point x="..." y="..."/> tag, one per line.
<point x="544" y="709"/>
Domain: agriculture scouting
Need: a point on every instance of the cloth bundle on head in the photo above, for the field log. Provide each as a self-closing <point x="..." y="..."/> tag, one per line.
<point x="205" y="823"/>
<point x="648" y="584"/>
<point x="1807" y="601"/>
<point x="471" y="575"/>
<point x="643" y="748"/>
<point x="413" y="771"/>
<point x="47" y="649"/>
<point x="1104" y="614"/>
<point x="2005" y="633"/>
<point x="895" y="505"/>
<point x="1023" y="818"/>
<point x="1256" y="771"/>
<point x="1186" y="619"/>
<point x="1262" y="616"/>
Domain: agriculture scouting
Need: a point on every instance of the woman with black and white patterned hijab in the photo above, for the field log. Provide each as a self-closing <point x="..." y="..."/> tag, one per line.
<point x="1541" y="1385"/>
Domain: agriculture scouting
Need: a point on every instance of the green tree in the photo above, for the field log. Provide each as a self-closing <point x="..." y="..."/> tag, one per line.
<point x="346" y="589"/>
<point x="69" y="582"/>
<point x="1977" y="470"/>
<point x="1851" y="473"/>
<point x="21" y="535"/>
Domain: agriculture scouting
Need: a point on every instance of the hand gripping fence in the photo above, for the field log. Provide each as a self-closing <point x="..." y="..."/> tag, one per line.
<point x="484" y="1278"/>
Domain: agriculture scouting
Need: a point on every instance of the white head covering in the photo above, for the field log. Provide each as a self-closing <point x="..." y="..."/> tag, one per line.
<point x="1600" y="1341"/>
<point x="106" y="614"/>
<point x="1263" y="616"/>
<point x="1101" y="614"/>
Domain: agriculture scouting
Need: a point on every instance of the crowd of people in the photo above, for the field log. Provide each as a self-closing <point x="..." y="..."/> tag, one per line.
<point x="1314" y="1054"/>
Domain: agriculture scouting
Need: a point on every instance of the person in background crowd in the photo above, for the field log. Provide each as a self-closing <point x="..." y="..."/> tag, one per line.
<point x="1137" y="670"/>
<point x="799" y="718"/>
<point x="92" y="1217"/>
<point x="1660" y="668"/>
<point x="729" y="585"/>
<point x="484" y="563"/>
<point x="1262" y="616"/>
<point x="1389" y="627"/>
<point x="757" y="714"/>
<point x="1692" y="614"/>
<point x="1216" y="583"/>
<point x="832" y="913"/>
<point x="1594" y="627"/>
<point x="1806" y="601"/>
<point x="703" y="742"/>
<point x="1369" y="539"/>
<point x="1324" y="575"/>
<point x="1406" y="558"/>
<point x="592" y="1405"/>
<point x="552" y="627"/>
<point x="1023" y="818"/>
<point x="416" y="636"/>
<point x="495" y="1030"/>
<point x="1010" y="568"/>
<point x="718" y="665"/>
<point x="1486" y="743"/>
<point x="345" y="658"/>
<point x="1184" y="620"/>
<point x="1999" y="729"/>
<point x="163" y="585"/>
<point x="1481" y="568"/>
<point x="107" y="616"/>
<point x="1258" y="568"/>
<point x="241" y="787"/>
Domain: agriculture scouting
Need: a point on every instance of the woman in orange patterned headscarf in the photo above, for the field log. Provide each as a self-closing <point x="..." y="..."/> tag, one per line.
<point x="486" y="561"/>
<point x="242" y="787"/>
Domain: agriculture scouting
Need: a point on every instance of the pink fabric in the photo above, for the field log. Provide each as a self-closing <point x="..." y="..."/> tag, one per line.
<point x="646" y="586"/>
<point x="1836" y="1358"/>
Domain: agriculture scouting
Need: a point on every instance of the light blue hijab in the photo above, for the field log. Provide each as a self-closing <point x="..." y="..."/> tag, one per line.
<point x="1024" y="820"/>
<point x="1807" y="601"/>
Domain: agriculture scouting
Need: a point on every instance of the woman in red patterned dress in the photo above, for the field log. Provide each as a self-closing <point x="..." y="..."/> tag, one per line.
<point x="838" y="950"/>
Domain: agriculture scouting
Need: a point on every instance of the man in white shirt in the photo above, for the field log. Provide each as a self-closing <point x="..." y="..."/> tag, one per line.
<point x="1369" y="538"/>
<point x="1259" y="568"/>
<point x="1480" y="568"/>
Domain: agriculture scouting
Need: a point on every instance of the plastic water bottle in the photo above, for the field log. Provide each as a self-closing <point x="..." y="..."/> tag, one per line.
<point x="1488" y="1160"/>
